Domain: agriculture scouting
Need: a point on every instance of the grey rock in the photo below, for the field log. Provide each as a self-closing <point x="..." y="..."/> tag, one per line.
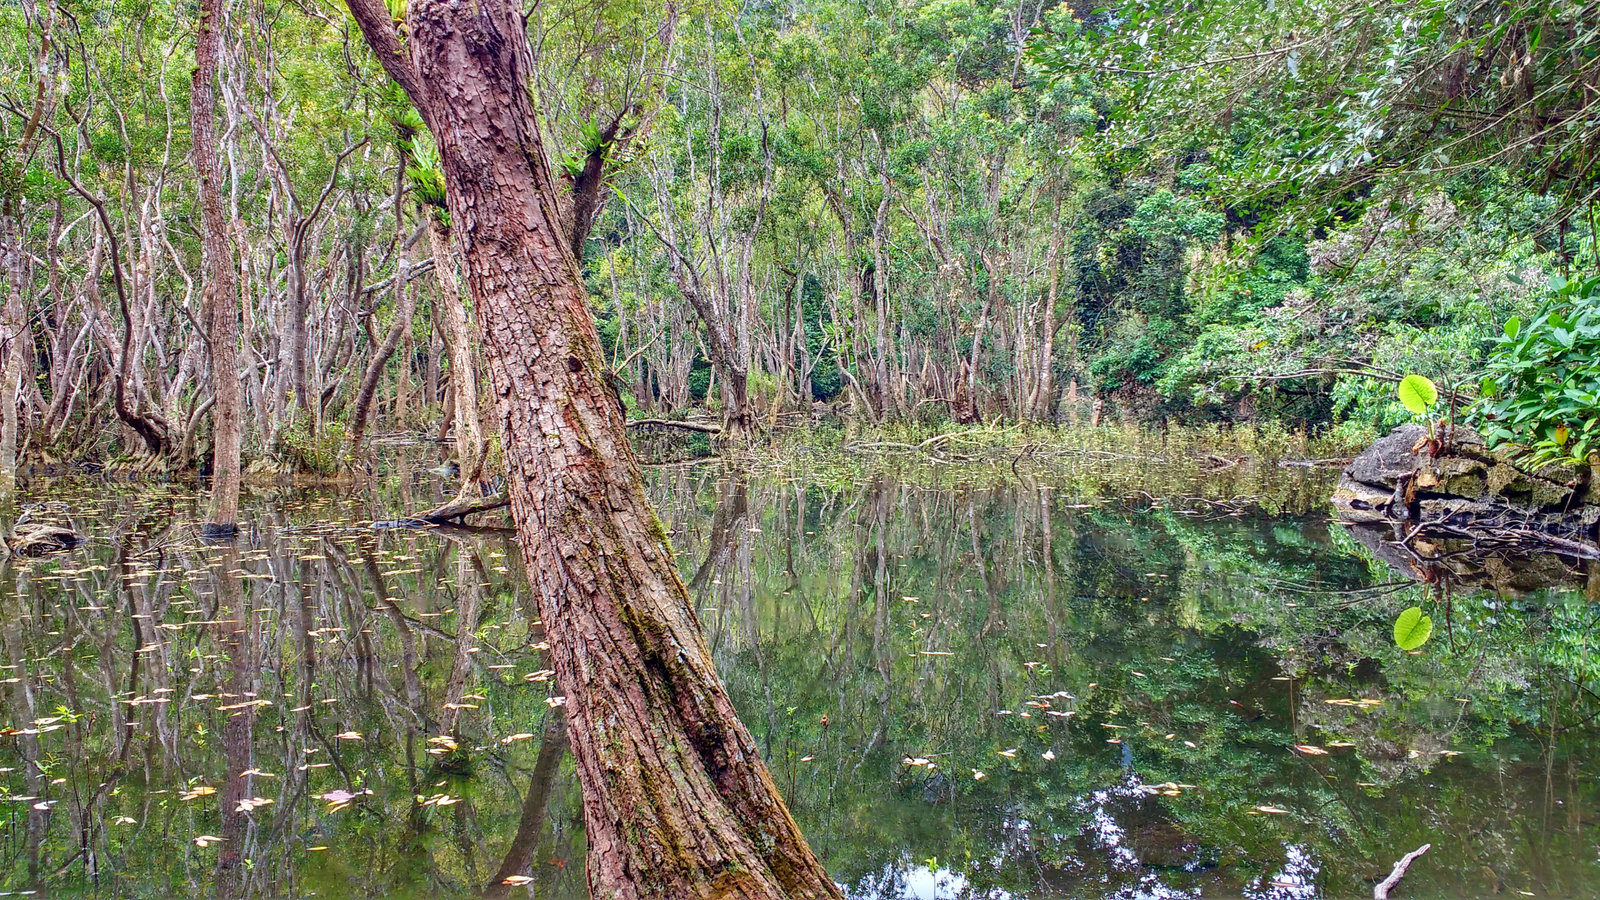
<point x="1390" y="458"/>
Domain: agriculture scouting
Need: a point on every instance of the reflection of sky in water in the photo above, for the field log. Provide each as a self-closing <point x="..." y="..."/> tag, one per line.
<point x="919" y="883"/>
<point x="1297" y="880"/>
<point x="1111" y="837"/>
<point x="1106" y="838"/>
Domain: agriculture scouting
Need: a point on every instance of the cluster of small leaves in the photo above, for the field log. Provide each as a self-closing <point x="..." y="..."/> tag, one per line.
<point x="1305" y="101"/>
<point x="1542" y="386"/>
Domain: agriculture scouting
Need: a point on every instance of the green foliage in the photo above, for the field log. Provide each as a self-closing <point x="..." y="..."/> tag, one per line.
<point x="1417" y="393"/>
<point x="1304" y="104"/>
<point x="1541" y="388"/>
<point x="299" y="451"/>
<point x="1412" y="628"/>
<point x="427" y="176"/>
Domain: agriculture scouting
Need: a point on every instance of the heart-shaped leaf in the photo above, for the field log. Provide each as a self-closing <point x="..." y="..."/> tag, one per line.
<point x="1412" y="629"/>
<point x="1417" y="393"/>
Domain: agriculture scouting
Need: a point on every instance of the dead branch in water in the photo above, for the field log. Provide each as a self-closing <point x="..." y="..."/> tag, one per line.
<point x="456" y="511"/>
<point x="1381" y="891"/>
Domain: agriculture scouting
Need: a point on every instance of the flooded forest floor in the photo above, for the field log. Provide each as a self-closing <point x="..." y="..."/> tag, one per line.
<point x="977" y="668"/>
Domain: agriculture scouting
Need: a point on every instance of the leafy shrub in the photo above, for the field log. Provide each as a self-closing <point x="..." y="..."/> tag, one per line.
<point x="298" y="451"/>
<point x="1541" y="388"/>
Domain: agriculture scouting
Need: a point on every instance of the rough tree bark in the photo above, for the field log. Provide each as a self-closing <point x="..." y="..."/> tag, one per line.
<point x="677" y="800"/>
<point x="219" y="306"/>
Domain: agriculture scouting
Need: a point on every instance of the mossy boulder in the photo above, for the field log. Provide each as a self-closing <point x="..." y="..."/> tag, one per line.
<point x="1451" y="481"/>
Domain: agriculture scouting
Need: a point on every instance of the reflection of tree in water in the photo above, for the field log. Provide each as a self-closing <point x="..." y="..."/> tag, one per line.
<point x="169" y="685"/>
<point x="1470" y="564"/>
<point x="859" y="627"/>
<point x="1169" y="624"/>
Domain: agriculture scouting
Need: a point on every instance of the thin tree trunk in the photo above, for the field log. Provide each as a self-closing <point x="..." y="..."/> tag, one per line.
<point x="219" y="306"/>
<point x="677" y="800"/>
<point x="405" y="304"/>
<point x="463" y="370"/>
<point x="1042" y="403"/>
<point x="12" y="357"/>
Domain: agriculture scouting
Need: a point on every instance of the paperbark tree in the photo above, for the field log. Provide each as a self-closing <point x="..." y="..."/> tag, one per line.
<point x="219" y="305"/>
<point x="14" y="156"/>
<point x="677" y="800"/>
<point x="405" y="305"/>
<point x="470" y="446"/>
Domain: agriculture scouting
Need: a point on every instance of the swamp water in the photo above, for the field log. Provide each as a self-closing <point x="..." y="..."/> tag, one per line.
<point x="995" y="683"/>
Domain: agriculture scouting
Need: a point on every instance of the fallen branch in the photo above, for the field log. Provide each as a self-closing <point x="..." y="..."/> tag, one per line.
<point x="457" y="510"/>
<point x="674" y="423"/>
<point x="1381" y="891"/>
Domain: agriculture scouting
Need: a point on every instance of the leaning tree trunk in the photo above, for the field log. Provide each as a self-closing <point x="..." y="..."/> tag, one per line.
<point x="405" y="304"/>
<point x="219" y="307"/>
<point x="677" y="800"/>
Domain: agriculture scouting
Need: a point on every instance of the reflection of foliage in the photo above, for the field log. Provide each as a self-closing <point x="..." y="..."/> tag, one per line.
<point x="1160" y="621"/>
<point x="859" y="620"/>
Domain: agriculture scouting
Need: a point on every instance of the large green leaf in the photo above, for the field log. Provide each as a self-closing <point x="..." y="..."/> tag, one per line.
<point x="1412" y="629"/>
<point x="1417" y="393"/>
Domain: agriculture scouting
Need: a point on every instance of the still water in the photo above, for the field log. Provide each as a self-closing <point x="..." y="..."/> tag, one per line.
<point x="1004" y="683"/>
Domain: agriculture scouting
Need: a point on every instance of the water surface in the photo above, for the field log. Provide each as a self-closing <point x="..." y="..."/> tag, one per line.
<point x="995" y="682"/>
